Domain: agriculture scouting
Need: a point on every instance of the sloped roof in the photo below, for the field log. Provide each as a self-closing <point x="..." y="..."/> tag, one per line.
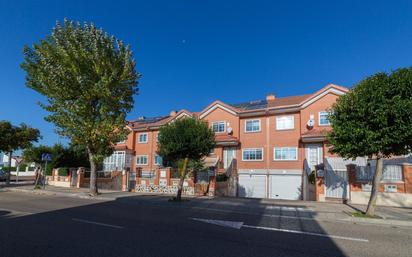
<point x="277" y="102"/>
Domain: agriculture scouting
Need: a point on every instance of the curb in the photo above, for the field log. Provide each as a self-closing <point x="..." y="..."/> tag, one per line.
<point x="372" y="221"/>
<point x="46" y="192"/>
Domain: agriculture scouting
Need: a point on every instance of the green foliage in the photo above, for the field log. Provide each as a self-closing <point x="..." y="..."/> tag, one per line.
<point x="63" y="171"/>
<point x="221" y="177"/>
<point x="6" y="168"/>
<point x="88" y="78"/>
<point x="72" y="156"/>
<point x="185" y="138"/>
<point x="312" y="178"/>
<point x="374" y="118"/>
<point x="16" y="137"/>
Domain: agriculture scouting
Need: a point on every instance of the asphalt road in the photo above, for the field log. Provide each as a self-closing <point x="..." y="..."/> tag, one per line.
<point x="34" y="225"/>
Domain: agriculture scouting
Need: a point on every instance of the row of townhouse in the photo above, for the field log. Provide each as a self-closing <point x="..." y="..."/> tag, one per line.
<point x="266" y="141"/>
<point x="271" y="145"/>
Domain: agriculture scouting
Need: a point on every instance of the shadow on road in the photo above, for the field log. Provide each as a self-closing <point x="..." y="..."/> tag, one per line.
<point x="153" y="226"/>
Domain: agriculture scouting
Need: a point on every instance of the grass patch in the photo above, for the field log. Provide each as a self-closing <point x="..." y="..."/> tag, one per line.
<point x="359" y="214"/>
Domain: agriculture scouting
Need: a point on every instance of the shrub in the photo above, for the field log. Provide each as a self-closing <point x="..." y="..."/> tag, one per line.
<point x="63" y="171"/>
<point x="221" y="177"/>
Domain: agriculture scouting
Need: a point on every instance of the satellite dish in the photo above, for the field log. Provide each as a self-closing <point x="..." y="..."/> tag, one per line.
<point x="311" y="123"/>
<point x="229" y="130"/>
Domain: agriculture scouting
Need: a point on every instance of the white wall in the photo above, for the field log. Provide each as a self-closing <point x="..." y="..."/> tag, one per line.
<point x="384" y="199"/>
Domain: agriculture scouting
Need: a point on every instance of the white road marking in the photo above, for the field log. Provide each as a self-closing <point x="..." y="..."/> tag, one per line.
<point x="223" y="223"/>
<point x="239" y="225"/>
<point x="97" y="223"/>
<point x="309" y="233"/>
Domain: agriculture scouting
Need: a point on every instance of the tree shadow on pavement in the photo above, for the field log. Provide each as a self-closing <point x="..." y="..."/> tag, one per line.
<point x="153" y="226"/>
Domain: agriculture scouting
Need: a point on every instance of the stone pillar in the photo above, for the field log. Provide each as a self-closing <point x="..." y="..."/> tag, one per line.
<point x="407" y="177"/>
<point x="124" y="180"/>
<point x="80" y="177"/>
<point x="212" y="185"/>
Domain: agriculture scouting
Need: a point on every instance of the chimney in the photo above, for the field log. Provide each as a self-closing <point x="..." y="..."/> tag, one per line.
<point x="173" y="113"/>
<point x="270" y="97"/>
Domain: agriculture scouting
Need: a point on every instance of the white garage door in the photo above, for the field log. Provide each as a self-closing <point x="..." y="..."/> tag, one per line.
<point x="252" y="186"/>
<point x="285" y="187"/>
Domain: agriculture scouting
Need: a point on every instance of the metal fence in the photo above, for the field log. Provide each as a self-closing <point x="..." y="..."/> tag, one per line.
<point x="390" y="173"/>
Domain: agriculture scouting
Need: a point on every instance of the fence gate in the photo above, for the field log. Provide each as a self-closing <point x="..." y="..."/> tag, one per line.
<point x="336" y="183"/>
<point x="75" y="176"/>
<point x="131" y="183"/>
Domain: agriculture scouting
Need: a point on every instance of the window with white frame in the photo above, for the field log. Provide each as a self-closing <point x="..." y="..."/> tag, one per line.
<point x="391" y="188"/>
<point x="285" y="153"/>
<point x="141" y="159"/>
<point x="285" y="122"/>
<point x="324" y="119"/>
<point x="116" y="161"/>
<point x="219" y="126"/>
<point x="252" y="125"/>
<point x="252" y="154"/>
<point x="158" y="160"/>
<point x="143" y="137"/>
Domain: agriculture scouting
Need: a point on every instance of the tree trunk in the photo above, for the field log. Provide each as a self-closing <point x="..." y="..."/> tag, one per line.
<point x="9" y="171"/>
<point x="375" y="187"/>
<point x="182" y="179"/>
<point x="93" y="174"/>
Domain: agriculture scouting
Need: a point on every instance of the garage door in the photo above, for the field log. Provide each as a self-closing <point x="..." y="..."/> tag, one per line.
<point x="286" y="187"/>
<point x="252" y="186"/>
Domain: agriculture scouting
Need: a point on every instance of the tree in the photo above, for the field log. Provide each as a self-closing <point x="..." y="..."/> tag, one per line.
<point x="71" y="156"/>
<point x="14" y="138"/>
<point x="89" y="80"/>
<point x="374" y="120"/>
<point x="185" y="140"/>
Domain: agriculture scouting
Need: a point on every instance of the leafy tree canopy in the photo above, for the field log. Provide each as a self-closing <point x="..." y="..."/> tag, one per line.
<point x="374" y="118"/>
<point x="89" y="80"/>
<point x="16" y="137"/>
<point x="71" y="156"/>
<point x="185" y="138"/>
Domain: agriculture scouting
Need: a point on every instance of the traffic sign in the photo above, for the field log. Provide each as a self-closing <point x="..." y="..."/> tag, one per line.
<point x="46" y="157"/>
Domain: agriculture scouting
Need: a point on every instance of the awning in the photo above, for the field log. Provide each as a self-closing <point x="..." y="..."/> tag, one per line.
<point x="226" y="140"/>
<point x="210" y="161"/>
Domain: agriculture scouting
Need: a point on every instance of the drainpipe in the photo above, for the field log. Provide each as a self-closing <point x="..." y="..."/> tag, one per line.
<point x="267" y="152"/>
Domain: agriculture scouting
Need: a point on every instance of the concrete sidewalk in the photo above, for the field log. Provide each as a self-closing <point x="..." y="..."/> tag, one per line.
<point x="321" y="211"/>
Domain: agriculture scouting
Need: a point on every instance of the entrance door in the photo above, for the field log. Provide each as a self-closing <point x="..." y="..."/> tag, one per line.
<point x="314" y="155"/>
<point x="229" y="153"/>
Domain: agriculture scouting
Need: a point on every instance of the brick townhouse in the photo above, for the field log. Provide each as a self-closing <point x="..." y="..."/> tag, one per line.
<point x="270" y="145"/>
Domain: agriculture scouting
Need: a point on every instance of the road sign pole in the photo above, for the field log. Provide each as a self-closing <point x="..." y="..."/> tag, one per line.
<point x="44" y="175"/>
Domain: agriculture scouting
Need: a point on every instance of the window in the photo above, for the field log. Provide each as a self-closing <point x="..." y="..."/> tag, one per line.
<point x="157" y="137"/>
<point x="391" y="188"/>
<point x="116" y="161"/>
<point x="252" y="126"/>
<point x="391" y="173"/>
<point x="252" y="154"/>
<point x="158" y="160"/>
<point x="218" y="126"/>
<point x="285" y="153"/>
<point x="121" y="142"/>
<point x="142" y="138"/>
<point x="323" y="119"/>
<point x="285" y="122"/>
<point x="141" y="159"/>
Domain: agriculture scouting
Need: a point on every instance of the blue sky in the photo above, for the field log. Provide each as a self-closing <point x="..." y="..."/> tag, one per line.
<point x="193" y="52"/>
